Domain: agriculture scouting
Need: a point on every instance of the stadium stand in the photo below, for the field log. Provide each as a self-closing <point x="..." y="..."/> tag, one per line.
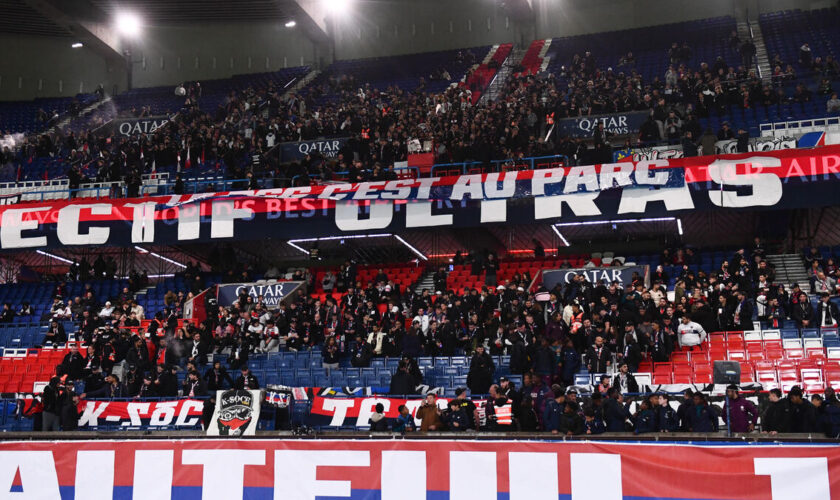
<point x="432" y="317"/>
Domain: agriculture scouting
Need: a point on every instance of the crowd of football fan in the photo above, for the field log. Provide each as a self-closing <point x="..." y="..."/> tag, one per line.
<point x="382" y="122"/>
<point x="548" y="335"/>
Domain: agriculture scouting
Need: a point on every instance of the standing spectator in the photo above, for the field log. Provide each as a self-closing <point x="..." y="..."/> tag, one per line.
<point x="689" y="333"/>
<point x="598" y="357"/>
<point x="776" y="416"/>
<point x="70" y="412"/>
<point x="805" y="55"/>
<point x="666" y="418"/>
<point x="689" y="147"/>
<point x="831" y="414"/>
<point x="741" y="415"/>
<point x="52" y="398"/>
<point x="480" y="376"/>
<point x="743" y="313"/>
<point x="701" y="417"/>
<point x="802" y="415"/>
<point x="429" y="414"/>
<point x="455" y="417"/>
<point x="217" y="378"/>
<point x="616" y="413"/>
<point x="644" y="420"/>
<point x="330" y="355"/>
<point x="440" y="280"/>
<point x="624" y="381"/>
<point x="747" y="51"/>
<point x="405" y="421"/>
<point x="377" y="421"/>
<point x="591" y="423"/>
<point x="194" y="386"/>
<point x="707" y="142"/>
<point x="826" y="313"/>
<point x="402" y="383"/>
<point x="802" y="311"/>
<point x="553" y="414"/>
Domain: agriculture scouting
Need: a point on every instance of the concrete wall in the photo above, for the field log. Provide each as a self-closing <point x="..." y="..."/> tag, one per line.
<point x="173" y="54"/>
<point x="378" y="28"/>
<point x="33" y="67"/>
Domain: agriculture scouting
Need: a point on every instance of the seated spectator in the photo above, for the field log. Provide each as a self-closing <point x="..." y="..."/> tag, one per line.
<point x="112" y="389"/>
<point x="107" y="311"/>
<point x="833" y="104"/>
<point x="8" y="314"/>
<point x="246" y="380"/>
<point x="25" y="309"/>
<point x="55" y="334"/>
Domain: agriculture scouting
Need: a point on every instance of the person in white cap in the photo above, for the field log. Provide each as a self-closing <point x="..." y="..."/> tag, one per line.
<point x="106" y="311"/>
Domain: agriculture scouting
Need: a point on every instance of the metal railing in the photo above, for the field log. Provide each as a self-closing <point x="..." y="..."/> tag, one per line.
<point x="788" y="128"/>
<point x="162" y="184"/>
<point x="533" y="163"/>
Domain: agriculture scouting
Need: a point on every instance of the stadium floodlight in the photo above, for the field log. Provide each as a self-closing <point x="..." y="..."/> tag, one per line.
<point x="53" y="256"/>
<point x="294" y="243"/>
<point x="291" y="24"/>
<point x="77" y="45"/>
<point x="128" y="23"/>
<point x="161" y="257"/>
<point x="337" y="7"/>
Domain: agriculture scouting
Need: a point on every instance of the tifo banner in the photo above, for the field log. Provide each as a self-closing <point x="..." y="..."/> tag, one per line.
<point x="616" y="124"/>
<point x="236" y="414"/>
<point x="768" y="180"/>
<point x="338" y="412"/>
<point x="134" y="126"/>
<point x="621" y="274"/>
<point x="295" y="151"/>
<point x="272" y="293"/>
<point x="11" y="199"/>
<point x="759" y="144"/>
<point x="416" y="469"/>
<point x="181" y="413"/>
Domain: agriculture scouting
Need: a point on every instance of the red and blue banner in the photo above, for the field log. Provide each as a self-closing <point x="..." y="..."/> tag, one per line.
<point x="760" y="180"/>
<point x="211" y="469"/>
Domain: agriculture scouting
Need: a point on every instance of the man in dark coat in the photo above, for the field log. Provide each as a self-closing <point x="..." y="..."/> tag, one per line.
<point x="246" y="380"/>
<point x="776" y="415"/>
<point x="402" y="382"/>
<point x="802" y="414"/>
<point x="615" y="412"/>
<point x="480" y="376"/>
<point x="598" y="358"/>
